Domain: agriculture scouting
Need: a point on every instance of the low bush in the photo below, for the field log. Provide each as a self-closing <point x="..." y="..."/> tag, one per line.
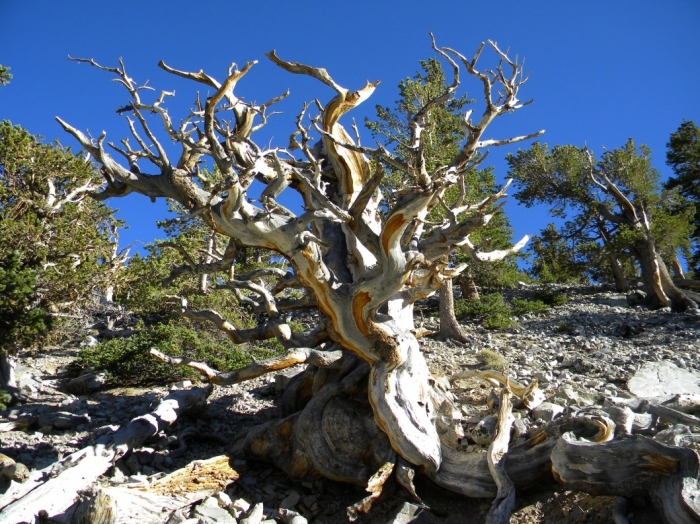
<point x="495" y="312"/>
<point x="492" y="310"/>
<point x="127" y="361"/>
<point x="565" y="328"/>
<point x="521" y="306"/>
<point x="492" y="359"/>
<point x="551" y="297"/>
<point x="5" y="399"/>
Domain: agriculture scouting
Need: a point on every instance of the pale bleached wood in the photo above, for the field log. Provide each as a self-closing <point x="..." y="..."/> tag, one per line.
<point x="55" y="488"/>
<point x="292" y="357"/>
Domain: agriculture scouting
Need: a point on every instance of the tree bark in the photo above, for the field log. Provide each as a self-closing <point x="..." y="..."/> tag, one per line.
<point x="8" y="380"/>
<point x="449" y="327"/>
<point x="468" y="286"/>
<point x="659" y="285"/>
<point x="677" y="268"/>
<point x="621" y="283"/>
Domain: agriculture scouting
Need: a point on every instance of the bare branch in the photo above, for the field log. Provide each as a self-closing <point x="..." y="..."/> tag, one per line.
<point x="513" y="140"/>
<point x="498" y="254"/>
<point x="318" y="73"/>
<point x="317" y="357"/>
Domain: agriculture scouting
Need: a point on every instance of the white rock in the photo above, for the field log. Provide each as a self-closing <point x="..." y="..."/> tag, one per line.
<point x="663" y="379"/>
<point x="238" y="507"/>
<point x="223" y="499"/>
<point x="547" y="411"/>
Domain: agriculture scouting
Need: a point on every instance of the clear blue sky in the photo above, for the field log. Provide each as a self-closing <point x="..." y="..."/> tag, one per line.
<point x="600" y="71"/>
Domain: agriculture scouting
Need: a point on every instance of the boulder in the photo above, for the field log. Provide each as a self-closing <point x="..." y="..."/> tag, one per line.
<point x="662" y="381"/>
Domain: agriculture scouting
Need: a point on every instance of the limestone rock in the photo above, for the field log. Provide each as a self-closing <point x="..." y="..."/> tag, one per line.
<point x="663" y="380"/>
<point x="547" y="411"/>
<point x="207" y="515"/>
<point x="87" y="383"/>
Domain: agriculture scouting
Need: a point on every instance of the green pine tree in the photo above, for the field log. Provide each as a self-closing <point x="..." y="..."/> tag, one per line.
<point x="5" y="75"/>
<point x="616" y="206"/>
<point x="22" y="323"/>
<point x="683" y="155"/>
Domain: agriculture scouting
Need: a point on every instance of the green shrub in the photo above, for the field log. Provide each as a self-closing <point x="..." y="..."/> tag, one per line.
<point x="479" y="307"/>
<point x="521" y="307"/>
<point x="492" y="359"/>
<point x="492" y="310"/>
<point x="551" y="297"/>
<point x="5" y="399"/>
<point x="565" y="328"/>
<point x="21" y="323"/>
<point x="127" y="361"/>
<point x="499" y="321"/>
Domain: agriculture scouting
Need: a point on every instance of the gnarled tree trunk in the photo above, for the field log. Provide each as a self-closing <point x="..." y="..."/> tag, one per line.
<point x="8" y="380"/>
<point x="468" y="286"/>
<point x="449" y="327"/>
<point x="367" y="402"/>
<point x="621" y="283"/>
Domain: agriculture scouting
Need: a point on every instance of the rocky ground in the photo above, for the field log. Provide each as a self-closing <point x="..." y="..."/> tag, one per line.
<point x="581" y="353"/>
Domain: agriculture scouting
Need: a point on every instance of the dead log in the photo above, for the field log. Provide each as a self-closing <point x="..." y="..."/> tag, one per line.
<point x="55" y="488"/>
<point x="116" y="505"/>
<point x="165" y="500"/>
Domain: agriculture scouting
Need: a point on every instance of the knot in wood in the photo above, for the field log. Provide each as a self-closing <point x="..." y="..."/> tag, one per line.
<point x="386" y="348"/>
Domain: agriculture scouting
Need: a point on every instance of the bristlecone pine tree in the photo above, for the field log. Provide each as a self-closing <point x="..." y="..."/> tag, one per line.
<point x="683" y="156"/>
<point x="441" y="137"/>
<point x="367" y="407"/>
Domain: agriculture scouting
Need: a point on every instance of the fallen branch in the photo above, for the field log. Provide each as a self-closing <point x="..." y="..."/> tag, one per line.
<point x="168" y="499"/>
<point x="294" y="356"/>
<point x="55" y="488"/>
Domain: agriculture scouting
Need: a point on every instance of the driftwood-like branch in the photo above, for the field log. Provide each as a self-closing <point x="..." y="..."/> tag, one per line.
<point x="292" y="357"/>
<point x="55" y="489"/>
<point x="375" y="485"/>
<point x="275" y="327"/>
<point x="497" y="254"/>
<point x="531" y="395"/>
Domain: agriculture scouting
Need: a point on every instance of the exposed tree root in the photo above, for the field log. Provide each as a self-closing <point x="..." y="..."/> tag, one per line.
<point x="503" y="504"/>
